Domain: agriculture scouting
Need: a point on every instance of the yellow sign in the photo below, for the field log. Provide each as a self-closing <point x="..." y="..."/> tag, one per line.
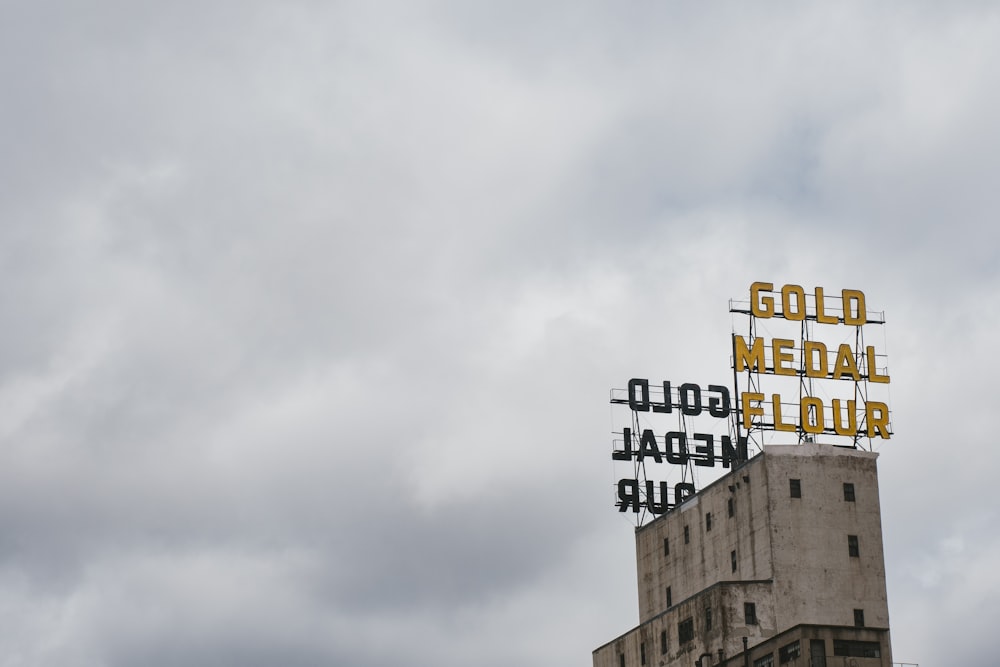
<point x="813" y="359"/>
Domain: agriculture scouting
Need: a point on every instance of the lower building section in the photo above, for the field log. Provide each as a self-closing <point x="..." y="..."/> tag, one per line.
<point x="655" y="644"/>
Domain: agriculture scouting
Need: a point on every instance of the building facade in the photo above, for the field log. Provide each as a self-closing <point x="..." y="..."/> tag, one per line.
<point x="777" y="563"/>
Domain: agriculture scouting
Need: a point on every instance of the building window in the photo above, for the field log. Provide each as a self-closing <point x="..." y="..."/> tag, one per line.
<point x="764" y="661"/>
<point x="795" y="487"/>
<point x="621" y="660"/>
<point x="708" y="521"/>
<point x="666" y="546"/>
<point x="730" y="506"/>
<point x="670" y="598"/>
<point x="663" y="641"/>
<point x="750" y="613"/>
<point x="732" y="559"/>
<point x="789" y="652"/>
<point x="687" y="535"/>
<point x="852" y="546"/>
<point x="859" y="618"/>
<point x="848" y="492"/>
<point x="708" y="618"/>
<point x="685" y="630"/>
<point x="855" y="649"/>
<point x="642" y="653"/>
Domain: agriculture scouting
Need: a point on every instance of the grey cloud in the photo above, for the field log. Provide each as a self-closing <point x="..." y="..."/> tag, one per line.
<point x="312" y="310"/>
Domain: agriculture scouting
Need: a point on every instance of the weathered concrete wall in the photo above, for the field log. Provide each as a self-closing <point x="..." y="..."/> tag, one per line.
<point x="705" y="559"/>
<point x="728" y="627"/>
<point x="817" y="580"/>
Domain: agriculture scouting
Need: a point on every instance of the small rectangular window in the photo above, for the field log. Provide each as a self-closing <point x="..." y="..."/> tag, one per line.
<point x="708" y="521"/>
<point x="795" y="487"/>
<point x="685" y="630"/>
<point x="859" y="618"/>
<point x="708" y="618"/>
<point x="621" y="660"/>
<point x="670" y="597"/>
<point x="730" y="506"/>
<point x="852" y="546"/>
<point x="750" y="613"/>
<point x="789" y="652"/>
<point x="642" y="653"/>
<point x="764" y="661"/>
<point x="732" y="559"/>
<point x="663" y="641"/>
<point x="856" y="649"/>
<point x="848" y="492"/>
<point x="666" y="546"/>
<point x="687" y="535"/>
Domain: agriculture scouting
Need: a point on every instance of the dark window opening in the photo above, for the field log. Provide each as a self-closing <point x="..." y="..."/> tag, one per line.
<point x="750" y="613"/>
<point x="848" y="492"/>
<point x="852" y="546"/>
<point x="685" y="630"/>
<point x="789" y="652"/>
<point x="642" y="653"/>
<point x="663" y="641"/>
<point x="859" y="618"/>
<point x="817" y="652"/>
<point x="708" y="618"/>
<point x="855" y="649"/>
<point x="621" y="660"/>
<point x="732" y="559"/>
<point x="666" y="546"/>
<point x="708" y="521"/>
<point x="687" y="535"/>
<point x="670" y="598"/>
<point x="795" y="486"/>
<point x="730" y="505"/>
<point x="764" y="661"/>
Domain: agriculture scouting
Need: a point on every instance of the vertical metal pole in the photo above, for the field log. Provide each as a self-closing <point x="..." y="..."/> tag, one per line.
<point x="736" y="394"/>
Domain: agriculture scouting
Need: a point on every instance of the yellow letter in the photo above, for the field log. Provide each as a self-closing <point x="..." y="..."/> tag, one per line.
<point x="799" y="313"/>
<point x="856" y="297"/>
<point x="852" y="418"/>
<point x="880" y="423"/>
<point x="778" y="345"/>
<point x="761" y="306"/>
<point x="776" y="409"/>
<point x="845" y="363"/>
<point x="751" y="410"/>
<point x="814" y="425"/>
<point x="873" y="375"/>
<point x="821" y="315"/>
<point x="823" y="367"/>
<point x="753" y="356"/>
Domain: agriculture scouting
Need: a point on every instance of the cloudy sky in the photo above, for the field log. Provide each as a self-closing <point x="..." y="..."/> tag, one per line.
<point x="312" y="308"/>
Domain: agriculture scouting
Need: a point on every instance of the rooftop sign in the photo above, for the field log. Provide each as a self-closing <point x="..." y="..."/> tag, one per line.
<point x="818" y="376"/>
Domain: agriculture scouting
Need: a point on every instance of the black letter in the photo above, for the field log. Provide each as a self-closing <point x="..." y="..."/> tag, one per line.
<point x="730" y="455"/>
<point x="687" y="408"/>
<point x="667" y="405"/>
<point x="707" y="449"/>
<point x="628" y="494"/>
<point x="639" y="405"/>
<point x="682" y="456"/>
<point x="714" y="408"/>
<point x="625" y="454"/>
<point x="682" y="491"/>
<point x="654" y="507"/>
<point x="647" y="446"/>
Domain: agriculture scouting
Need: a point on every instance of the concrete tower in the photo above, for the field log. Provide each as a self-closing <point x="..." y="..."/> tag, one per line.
<point x="777" y="563"/>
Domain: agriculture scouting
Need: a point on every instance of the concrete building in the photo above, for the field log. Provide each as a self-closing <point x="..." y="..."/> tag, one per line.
<point x="777" y="563"/>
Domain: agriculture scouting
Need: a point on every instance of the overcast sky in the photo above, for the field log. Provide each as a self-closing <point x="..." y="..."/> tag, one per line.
<point x="312" y="308"/>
